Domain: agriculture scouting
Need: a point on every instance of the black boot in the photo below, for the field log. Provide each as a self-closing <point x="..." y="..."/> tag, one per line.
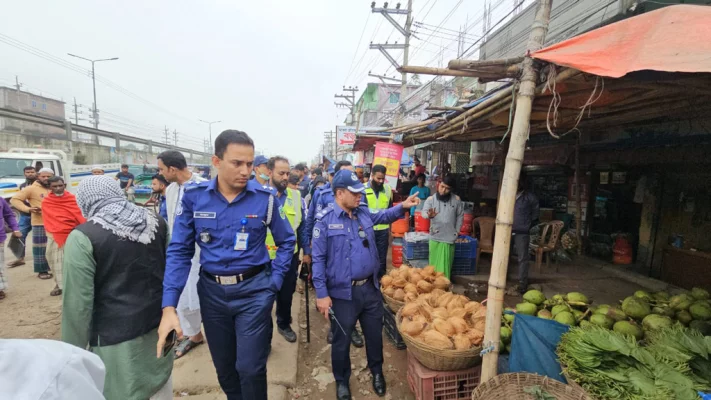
<point x="356" y="338"/>
<point x="379" y="384"/>
<point x="343" y="392"/>
<point x="288" y="334"/>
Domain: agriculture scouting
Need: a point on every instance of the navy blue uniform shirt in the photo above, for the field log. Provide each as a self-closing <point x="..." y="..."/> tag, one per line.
<point x="339" y="256"/>
<point x="322" y="198"/>
<point x="206" y="218"/>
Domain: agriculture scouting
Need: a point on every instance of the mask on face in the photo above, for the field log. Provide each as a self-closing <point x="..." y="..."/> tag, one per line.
<point x="264" y="177"/>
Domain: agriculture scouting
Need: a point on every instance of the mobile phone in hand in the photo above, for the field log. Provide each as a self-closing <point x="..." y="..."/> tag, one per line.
<point x="169" y="342"/>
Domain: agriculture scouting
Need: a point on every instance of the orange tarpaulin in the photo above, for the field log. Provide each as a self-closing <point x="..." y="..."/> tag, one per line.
<point x="671" y="39"/>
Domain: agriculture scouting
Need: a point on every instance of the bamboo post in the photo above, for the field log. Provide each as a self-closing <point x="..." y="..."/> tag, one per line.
<point x="512" y="170"/>
<point x="578" y="202"/>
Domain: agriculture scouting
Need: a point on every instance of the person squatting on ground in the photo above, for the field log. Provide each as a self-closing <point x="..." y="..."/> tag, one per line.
<point x="174" y="168"/>
<point x="61" y="215"/>
<point x="346" y="276"/>
<point x="34" y="195"/>
<point x="113" y="274"/>
<point x="295" y="210"/>
<point x="228" y="218"/>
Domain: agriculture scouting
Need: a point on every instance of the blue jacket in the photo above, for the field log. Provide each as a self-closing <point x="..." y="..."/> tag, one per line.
<point x="334" y="236"/>
<point x="322" y="198"/>
<point x="206" y="218"/>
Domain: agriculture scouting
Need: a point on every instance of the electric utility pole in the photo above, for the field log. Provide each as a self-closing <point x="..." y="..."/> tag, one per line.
<point x="509" y="186"/>
<point x="350" y="98"/>
<point x="93" y="79"/>
<point x="330" y="140"/>
<point x="209" y="127"/>
<point x="384" y="47"/>
<point x="166" y="135"/>
<point x="175" y="137"/>
<point x="76" y="112"/>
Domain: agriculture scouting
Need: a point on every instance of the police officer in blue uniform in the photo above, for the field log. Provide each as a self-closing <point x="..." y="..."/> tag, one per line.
<point x="345" y="276"/>
<point x="228" y="218"/>
<point x="322" y="198"/>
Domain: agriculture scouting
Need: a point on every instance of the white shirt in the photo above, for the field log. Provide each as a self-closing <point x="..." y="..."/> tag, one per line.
<point x="39" y="369"/>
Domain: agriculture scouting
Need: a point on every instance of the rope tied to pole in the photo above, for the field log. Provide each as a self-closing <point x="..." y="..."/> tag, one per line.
<point x="556" y="100"/>
<point x="511" y="109"/>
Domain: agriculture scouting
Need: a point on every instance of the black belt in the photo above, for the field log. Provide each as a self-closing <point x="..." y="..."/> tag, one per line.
<point x="234" y="279"/>
<point x="361" y="282"/>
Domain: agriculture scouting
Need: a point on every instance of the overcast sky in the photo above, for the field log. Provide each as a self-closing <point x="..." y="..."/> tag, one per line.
<point x="269" y="68"/>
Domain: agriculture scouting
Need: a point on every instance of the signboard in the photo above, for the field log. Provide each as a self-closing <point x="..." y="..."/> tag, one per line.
<point x="346" y="135"/>
<point x="389" y="155"/>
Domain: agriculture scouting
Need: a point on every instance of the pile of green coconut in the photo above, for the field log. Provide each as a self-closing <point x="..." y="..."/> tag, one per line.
<point x="637" y="314"/>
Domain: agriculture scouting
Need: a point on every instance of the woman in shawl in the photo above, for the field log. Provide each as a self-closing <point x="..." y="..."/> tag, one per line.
<point x="113" y="283"/>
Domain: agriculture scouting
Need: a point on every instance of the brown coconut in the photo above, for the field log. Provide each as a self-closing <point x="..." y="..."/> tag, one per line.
<point x="459" y="324"/>
<point x="442" y="283"/>
<point x="461" y="342"/>
<point x="436" y="293"/>
<point x="444" y="299"/>
<point x="390" y="291"/>
<point x="410" y="297"/>
<point x="475" y="336"/>
<point x="415" y="277"/>
<point x="399" y="295"/>
<point x="410" y="309"/>
<point x="410" y="288"/>
<point x="412" y="328"/>
<point x="424" y="287"/>
<point x="440" y="312"/>
<point x="457" y="312"/>
<point x="437" y="340"/>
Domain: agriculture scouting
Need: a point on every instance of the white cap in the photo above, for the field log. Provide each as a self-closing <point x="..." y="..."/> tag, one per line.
<point x="97" y="168"/>
<point x="46" y="170"/>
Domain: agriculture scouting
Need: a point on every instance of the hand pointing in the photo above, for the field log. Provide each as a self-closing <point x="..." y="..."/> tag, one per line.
<point x="411" y="201"/>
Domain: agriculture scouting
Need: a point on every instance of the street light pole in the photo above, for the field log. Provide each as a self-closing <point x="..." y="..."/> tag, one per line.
<point x="95" y="112"/>
<point x="209" y="127"/>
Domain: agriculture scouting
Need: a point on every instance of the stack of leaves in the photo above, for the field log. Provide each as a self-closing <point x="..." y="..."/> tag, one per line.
<point x="678" y="345"/>
<point x="610" y="365"/>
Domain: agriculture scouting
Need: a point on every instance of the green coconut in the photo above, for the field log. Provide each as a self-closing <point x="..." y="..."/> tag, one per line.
<point x="684" y="317"/>
<point x="558" y="298"/>
<point x="576" y="297"/>
<point x="565" y="317"/>
<point x="663" y="310"/>
<point x="601" y="309"/>
<point x="509" y="317"/>
<point x="508" y="348"/>
<point x="641" y="294"/>
<point x="681" y="302"/>
<point x="701" y="326"/>
<point x="559" y="308"/>
<point x="628" y="328"/>
<point x="545" y="314"/>
<point x="653" y="322"/>
<point x="584" y="323"/>
<point x="578" y="315"/>
<point x="635" y="307"/>
<point x="505" y="334"/>
<point x="700" y="311"/>
<point x="699" y="294"/>
<point x="661" y="296"/>
<point x="534" y="297"/>
<point x="526" y="308"/>
<point x="602" y="320"/>
<point x="616" y="314"/>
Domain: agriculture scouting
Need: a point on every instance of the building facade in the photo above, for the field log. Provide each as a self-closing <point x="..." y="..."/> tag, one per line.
<point x="30" y="103"/>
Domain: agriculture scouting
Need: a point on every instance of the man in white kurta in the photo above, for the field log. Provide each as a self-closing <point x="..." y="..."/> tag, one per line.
<point x="173" y="166"/>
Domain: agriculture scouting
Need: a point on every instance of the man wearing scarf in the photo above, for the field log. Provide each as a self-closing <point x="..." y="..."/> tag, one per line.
<point x="113" y="279"/>
<point x="61" y="215"/>
<point x="174" y="168"/>
<point x="34" y="195"/>
<point x="446" y="212"/>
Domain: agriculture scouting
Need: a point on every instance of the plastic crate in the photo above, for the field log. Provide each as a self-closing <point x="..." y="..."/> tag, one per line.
<point x="464" y="266"/>
<point x="465" y="250"/>
<point x="417" y="250"/>
<point x="391" y="328"/>
<point x="418" y="263"/>
<point x="427" y="384"/>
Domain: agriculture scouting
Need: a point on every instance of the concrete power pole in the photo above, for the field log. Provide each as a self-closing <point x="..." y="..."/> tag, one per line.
<point x="18" y="85"/>
<point x="405" y="31"/>
<point x="76" y="112"/>
<point x="350" y="98"/>
<point x="166" y="135"/>
<point x="175" y="137"/>
<point x="509" y="186"/>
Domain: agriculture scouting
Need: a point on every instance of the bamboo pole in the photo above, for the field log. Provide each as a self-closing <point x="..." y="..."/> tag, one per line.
<point x="578" y="202"/>
<point x="475" y="64"/>
<point x="512" y="170"/>
<point x="437" y="108"/>
<point x="497" y="74"/>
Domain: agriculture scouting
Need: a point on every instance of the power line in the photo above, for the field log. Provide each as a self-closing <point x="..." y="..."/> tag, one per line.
<point x="355" y="53"/>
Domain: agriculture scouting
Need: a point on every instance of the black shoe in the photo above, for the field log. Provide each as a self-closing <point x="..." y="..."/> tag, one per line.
<point x="356" y="338"/>
<point x="288" y="334"/>
<point x="379" y="384"/>
<point x="329" y="339"/>
<point x="343" y="392"/>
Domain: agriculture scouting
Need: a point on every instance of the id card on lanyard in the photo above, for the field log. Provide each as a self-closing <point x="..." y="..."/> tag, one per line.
<point x="242" y="238"/>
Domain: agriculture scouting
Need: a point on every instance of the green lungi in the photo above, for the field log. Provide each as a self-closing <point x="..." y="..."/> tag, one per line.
<point x="442" y="257"/>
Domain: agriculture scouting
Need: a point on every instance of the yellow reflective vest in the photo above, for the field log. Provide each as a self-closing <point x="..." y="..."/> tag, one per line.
<point x="376" y="204"/>
<point x="292" y="209"/>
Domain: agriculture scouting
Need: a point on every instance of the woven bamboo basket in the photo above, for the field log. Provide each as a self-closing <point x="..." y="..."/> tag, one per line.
<point x="511" y="386"/>
<point x="393" y="304"/>
<point x="571" y="382"/>
<point x="439" y="359"/>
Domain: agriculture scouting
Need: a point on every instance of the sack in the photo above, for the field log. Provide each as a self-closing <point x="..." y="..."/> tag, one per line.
<point x="16" y="246"/>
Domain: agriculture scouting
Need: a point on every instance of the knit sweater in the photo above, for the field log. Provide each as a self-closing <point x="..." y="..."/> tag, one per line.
<point x="445" y="226"/>
<point x="34" y="194"/>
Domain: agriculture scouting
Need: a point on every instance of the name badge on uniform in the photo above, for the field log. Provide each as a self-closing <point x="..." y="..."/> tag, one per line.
<point x="204" y="214"/>
<point x="335" y="226"/>
<point x="241" y="241"/>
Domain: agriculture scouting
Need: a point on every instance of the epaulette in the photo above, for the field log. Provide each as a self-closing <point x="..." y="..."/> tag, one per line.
<point x="323" y="212"/>
<point x="267" y="189"/>
<point x="201" y="185"/>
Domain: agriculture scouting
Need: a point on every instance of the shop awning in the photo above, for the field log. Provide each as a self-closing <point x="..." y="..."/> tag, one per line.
<point x="670" y="39"/>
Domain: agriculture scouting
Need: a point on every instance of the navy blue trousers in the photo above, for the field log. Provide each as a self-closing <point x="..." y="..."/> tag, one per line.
<point x="366" y="306"/>
<point x="286" y="294"/>
<point x="382" y="241"/>
<point x="238" y="327"/>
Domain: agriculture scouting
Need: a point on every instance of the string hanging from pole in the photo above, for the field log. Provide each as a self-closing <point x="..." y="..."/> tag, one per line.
<point x="514" y="92"/>
<point x="556" y="100"/>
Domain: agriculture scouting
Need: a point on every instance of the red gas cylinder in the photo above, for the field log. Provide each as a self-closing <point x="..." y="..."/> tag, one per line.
<point x="400" y="227"/>
<point x="421" y="224"/>
<point x="467" y="223"/>
<point x="622" y="251"/>
<point x="397" y="252"/>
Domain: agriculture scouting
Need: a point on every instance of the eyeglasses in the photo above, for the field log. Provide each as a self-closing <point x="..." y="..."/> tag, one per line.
<point x="361" y="234"/>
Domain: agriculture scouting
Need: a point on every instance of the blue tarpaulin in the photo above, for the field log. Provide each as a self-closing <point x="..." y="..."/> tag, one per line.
<point x="533" y="346"/>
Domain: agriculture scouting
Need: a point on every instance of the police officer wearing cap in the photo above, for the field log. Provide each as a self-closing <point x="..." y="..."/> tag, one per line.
<point x="228" y="217"/>
<point x="261" y="171"/>
<point x="322" y="198"/>
<point x="345" y="275"/>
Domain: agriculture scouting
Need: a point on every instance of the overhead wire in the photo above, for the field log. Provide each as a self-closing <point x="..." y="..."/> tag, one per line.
<point x="355" y="53"/>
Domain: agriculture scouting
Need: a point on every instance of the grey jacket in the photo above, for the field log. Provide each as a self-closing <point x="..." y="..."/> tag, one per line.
<point x="526" y="210"/>
<point x="445" y="226"/>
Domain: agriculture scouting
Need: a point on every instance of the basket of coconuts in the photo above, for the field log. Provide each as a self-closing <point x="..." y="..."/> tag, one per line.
<point x="404" y="284"/>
